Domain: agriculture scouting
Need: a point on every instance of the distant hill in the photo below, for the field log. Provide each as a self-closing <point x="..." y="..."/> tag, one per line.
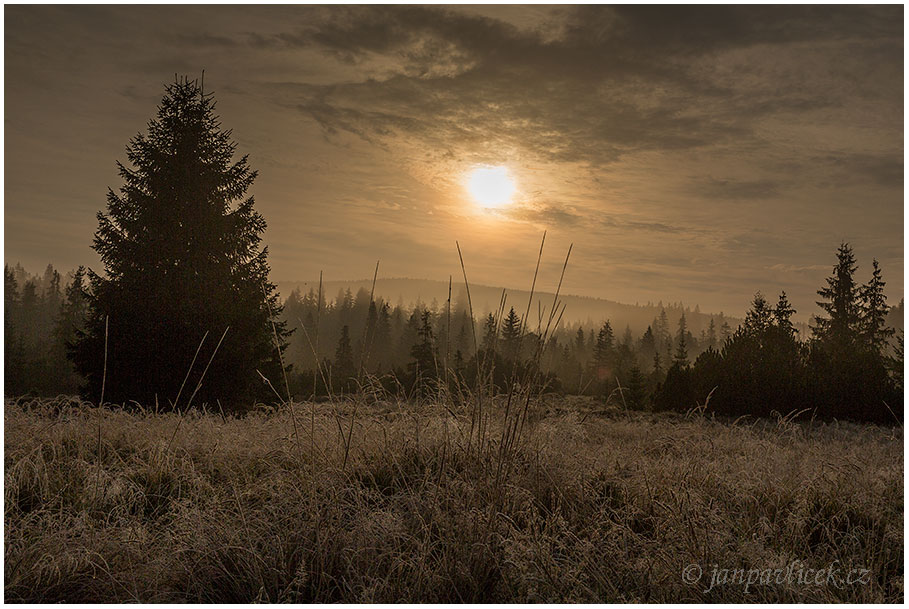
<point x="585" y="310"/>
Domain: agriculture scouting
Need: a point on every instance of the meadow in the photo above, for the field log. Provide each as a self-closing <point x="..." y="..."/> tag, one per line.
<point x="382" y="501"/>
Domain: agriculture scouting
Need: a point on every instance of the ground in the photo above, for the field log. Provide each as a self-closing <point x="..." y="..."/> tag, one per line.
<point x="393" y="502"/>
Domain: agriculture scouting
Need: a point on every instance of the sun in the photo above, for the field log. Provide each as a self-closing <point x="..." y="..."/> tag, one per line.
<point x="491" y="186"/>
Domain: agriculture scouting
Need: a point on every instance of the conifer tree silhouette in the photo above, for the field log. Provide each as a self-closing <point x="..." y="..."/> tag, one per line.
<point x="783" y="315"/>
<point x="874" y="311"/>
<point x="681" y="352"/>
<point x="841" y="302"/>
<point x="511" y="336"/>
<point x="343" y="368"/>
<point x="424" y="365"/>
<point x="180" y="244"/>
<point x="603" y="350"/>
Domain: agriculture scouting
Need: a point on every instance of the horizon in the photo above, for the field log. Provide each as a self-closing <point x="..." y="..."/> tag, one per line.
<point x="802" y="319"/>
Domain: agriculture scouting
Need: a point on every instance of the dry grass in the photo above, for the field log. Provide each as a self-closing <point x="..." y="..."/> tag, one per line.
<point x="585" y="506"/>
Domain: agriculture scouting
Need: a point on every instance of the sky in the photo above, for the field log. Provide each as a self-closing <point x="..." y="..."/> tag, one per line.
<point x="694" y="154"/>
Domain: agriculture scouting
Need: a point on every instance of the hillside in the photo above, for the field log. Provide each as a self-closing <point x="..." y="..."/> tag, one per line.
<point x="578" y="309"/>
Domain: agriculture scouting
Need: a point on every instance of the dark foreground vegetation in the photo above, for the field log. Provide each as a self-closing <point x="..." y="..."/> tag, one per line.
<point x="383" y="502"/>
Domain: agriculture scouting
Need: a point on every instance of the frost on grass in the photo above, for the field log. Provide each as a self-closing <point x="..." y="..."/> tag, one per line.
<point x="587" y="507"/>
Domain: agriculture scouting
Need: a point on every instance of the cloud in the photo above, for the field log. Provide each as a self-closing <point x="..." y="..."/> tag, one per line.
<point x="614" y="81"/>
<point x="881" y="170"/>
<point x="713" y="188"/>
<point x="568" y="217"/>
<point x="796" y="268"/>
<point x="544" y="215"/>
<point x="205" y="40"/>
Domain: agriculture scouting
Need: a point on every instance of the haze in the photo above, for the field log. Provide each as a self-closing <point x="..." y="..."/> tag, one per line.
<point x="690" y="154"/>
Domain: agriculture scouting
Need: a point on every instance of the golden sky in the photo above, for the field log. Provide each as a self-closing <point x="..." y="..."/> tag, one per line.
<point x="690" y="154"/>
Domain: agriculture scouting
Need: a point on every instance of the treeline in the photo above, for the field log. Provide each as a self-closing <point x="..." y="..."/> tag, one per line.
<point x="589" y="311"/>
<point x="338" y="342"/>
<point x="849" y="367"/>
<point x="42" y="314"/>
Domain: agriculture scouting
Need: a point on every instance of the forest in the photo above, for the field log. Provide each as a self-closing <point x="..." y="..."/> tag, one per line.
<point x="848" y="367"/>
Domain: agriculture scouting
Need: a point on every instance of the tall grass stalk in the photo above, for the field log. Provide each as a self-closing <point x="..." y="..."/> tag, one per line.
<point x="189" y="370"/>
<point x="476" y="348"/>
<point x="196" y="390"/>
<point x="101" y="410"/>
<point x="290" y="401"/>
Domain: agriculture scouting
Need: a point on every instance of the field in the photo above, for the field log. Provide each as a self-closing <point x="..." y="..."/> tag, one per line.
<point x="389" y="502"/>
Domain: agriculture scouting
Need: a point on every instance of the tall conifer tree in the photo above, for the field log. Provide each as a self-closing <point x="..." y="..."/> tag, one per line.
<point x="180" y="243"/>
<point x="874" y="311"/>
<point x="841" y="303"/>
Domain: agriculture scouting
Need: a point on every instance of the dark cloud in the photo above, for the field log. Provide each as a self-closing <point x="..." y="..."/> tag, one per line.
<point x="554" y="123"/>
<point x="207" y="40"/>
<point x="658" y="227"/>
<point x="616" y="79"/>
<point x="881" y="170"/>
<point x="714" y="188"/>
<point x="622" y="224"/>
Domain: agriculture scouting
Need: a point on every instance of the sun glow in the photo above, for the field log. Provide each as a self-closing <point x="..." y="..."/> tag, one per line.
<point x="491" y="187"/>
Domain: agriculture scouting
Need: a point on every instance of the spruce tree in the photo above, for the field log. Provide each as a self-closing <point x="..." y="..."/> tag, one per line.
<point x="180" y="244"/>
<point x="343" y="368"/>
<point x="382" y="338"/>
<point x="603" y="351"/>
<point x="636" y="392"/>
<point x="70" y="321"/>
<point x="424" y="365"/>
<point x="53" y="296"/>
<point x="490" y="334"/>
<point x="13" y="349"/>
<point x="580" y="346"/>
<point x="661" y="329"/>
<point x="896" y="362"/>
<point x="628" y="339"/>
<point x="681" y="353"/>
<point x="874" y="309"/>
<point x="511" y="336"/>
<point x="760" y="318"/>
<point x="647" y="343"/>
<point x="372" y="320"/>
<point x="850" y="378"/>
<point x="783" y="315"/>
<point x="725" y="331"/>
<point x="841" y="303"/>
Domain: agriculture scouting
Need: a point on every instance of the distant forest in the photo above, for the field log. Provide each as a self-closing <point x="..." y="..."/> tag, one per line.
<point x="847" y="365"/>
<point x="587" y="311"/>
